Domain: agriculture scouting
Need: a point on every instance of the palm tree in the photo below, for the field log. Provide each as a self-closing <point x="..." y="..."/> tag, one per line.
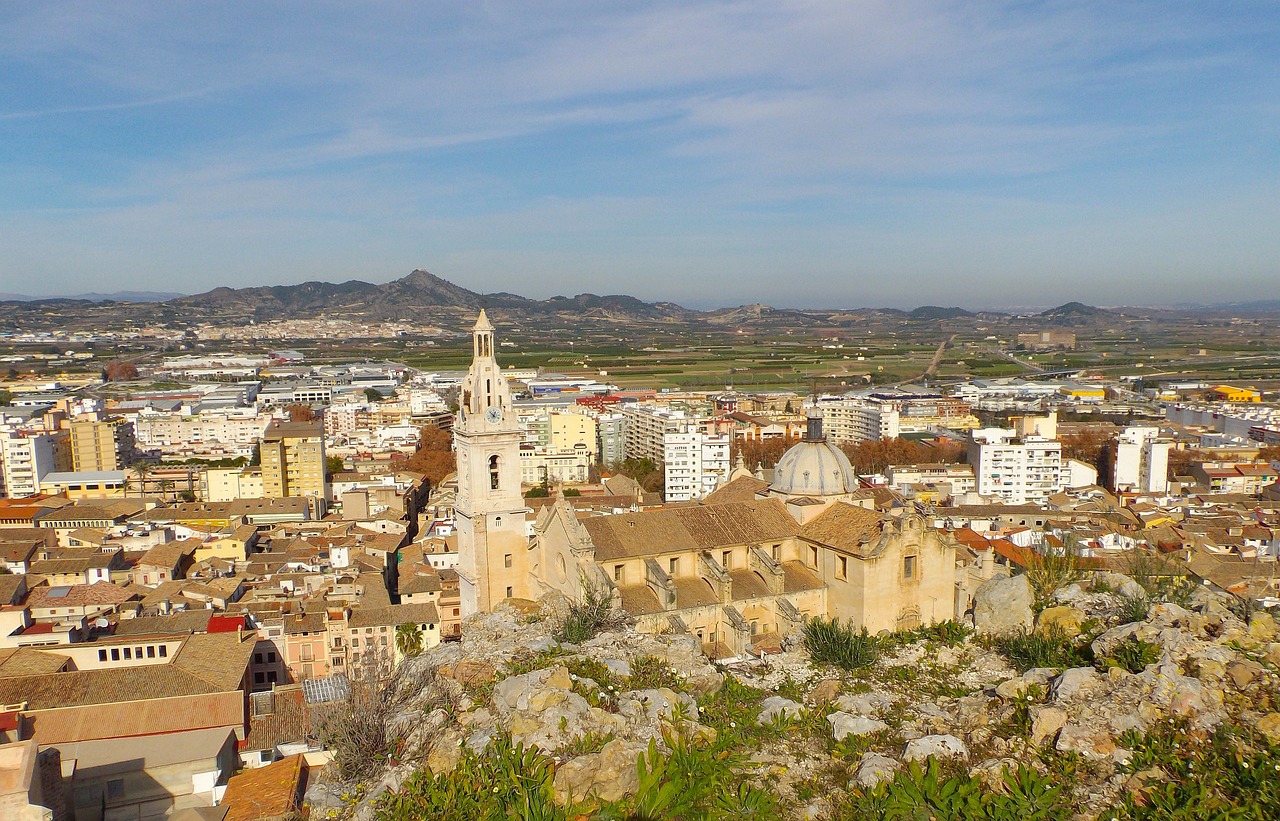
<point x="409" y="639"/>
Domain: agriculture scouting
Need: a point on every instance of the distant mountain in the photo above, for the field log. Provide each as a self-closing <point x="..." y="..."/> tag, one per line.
<point x="935" y="312"/>
<point x="93" y="296"/>
<point x="1075" y="310"/>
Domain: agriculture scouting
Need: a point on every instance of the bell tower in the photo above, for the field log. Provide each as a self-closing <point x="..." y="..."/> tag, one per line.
<point x="493" y="561"/>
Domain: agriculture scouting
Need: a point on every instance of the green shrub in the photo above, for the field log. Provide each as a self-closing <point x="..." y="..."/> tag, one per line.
<point x="830" y="642"/>
<point x="1134" y="608"/>
<point x="651" y="673"/>
<point x="1050" y="649"/>
<point x="590" y="617"/>
<point x="1133" y="654"/>
<point x="507" y="781"/>
<point x="923" y="792"/>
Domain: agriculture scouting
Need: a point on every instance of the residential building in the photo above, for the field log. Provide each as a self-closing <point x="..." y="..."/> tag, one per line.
<point x="28" y="456"/>
<point x="99" y="443"/>
<point x="859" y="420"/>
<point x="293" y="460"/>
<point x="1140" y="462"/>
<point x="647" y="425"/>
<point x="695" y="464"/>
<point x="1018" y="471"/>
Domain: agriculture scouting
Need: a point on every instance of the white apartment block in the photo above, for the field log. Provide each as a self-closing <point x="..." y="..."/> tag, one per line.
<point x="695" y="464"/>
<point x="1026" y="471"/>
<point x="25" y="459"/>
<point x="234" y="430"/>
<point x="537" y="464"/>
<point x="859" y="420"/>
<point x="611" y="437"/>
<point x="647" y="426"/>
<point x="1141" y="461"/>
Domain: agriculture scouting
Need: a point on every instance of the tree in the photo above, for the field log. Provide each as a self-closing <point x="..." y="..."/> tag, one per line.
<point x="333" y="465"/>
<point x="119" y="371"/>
<point x="875" y="456"/>
<point x="300" y="413"/>
<point x="5" y="397"/>
<point x="409" y="639"/>
<point x="373" y="395"/>
<point x="434" y="457"/>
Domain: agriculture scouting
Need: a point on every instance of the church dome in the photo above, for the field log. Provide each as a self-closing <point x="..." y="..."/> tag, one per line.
<point x="814" y="467"/>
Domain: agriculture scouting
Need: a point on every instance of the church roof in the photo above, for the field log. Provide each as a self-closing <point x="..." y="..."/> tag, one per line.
<point x="742" y="489"/>
<point x="814" y="467"/>
<point x="695" y="528"/>
<point x="844" y="527"/>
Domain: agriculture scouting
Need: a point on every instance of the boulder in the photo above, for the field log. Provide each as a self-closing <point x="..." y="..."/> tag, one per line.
<point x="608" y="775"/>
<point x="1262" y="626"/>
<point x="1003" y="606"/>
<point x="1062" y="618"/>
<point x="1090" y="742"/>
<point x="469" y="671"/>
<point x="1120" y="583"/>
<point x="847" y="724"/>
<point x="873" y="769"/>
<point x="1075" y="681"/>
<point x="1269" y="725"/>
<point x="619" y="667"/>
<point x="938" y="746"/>
<point x="1046" y="722"/>
<point x="775" y="706"/>
<point x="824" y="692"/>
<point x="1242" y="672"/>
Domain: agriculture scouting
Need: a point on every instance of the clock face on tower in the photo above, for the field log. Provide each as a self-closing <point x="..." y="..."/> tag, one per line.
<point x="493" y="415"/>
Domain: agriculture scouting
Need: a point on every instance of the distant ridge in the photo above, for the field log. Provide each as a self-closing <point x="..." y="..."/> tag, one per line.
<point x="93" y="296"/>
<point x="935" y="312"/>
<point x="1075" y="310"/>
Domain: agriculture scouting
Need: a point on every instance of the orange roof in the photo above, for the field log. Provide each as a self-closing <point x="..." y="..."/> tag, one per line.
<point x="269" y="792"/>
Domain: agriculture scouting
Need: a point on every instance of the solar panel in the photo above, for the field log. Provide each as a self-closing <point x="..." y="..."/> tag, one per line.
<point x="58" y="592"/>
<point x="324" y="690"/>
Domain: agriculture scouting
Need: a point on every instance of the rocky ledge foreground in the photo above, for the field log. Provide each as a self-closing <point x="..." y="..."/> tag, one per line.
<point x="1076" y="712"/>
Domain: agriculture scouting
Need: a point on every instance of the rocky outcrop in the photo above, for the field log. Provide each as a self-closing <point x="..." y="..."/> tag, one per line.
<point x="1003" y="606"/>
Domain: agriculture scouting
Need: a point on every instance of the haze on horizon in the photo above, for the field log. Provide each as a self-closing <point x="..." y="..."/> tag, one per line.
<point x="707" y="153"/>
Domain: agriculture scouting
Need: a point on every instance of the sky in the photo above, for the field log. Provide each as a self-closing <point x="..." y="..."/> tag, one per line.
<point x="809" y="154"/>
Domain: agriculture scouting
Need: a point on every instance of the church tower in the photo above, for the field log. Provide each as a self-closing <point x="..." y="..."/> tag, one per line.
<point x="493" y="561"/>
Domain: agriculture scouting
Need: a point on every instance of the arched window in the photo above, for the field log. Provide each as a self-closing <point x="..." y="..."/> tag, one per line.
<point x="493" y="472"/>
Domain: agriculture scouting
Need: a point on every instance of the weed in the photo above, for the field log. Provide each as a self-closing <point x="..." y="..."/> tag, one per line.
<point x="1133" y="654"/>
<point x="651" y="673"/>
<point x="1046" y="572"/>
<point x="926" y="792"/>
<point x="1049" y="649"/>
<point x="830" y="642"/>
<point x="591" y="616"/>
<point x="1134" y="608"/>
<point x="586" y="744"/>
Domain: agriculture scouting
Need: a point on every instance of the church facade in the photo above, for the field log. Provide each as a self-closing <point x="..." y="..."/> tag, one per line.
<point x="740" y="570"/>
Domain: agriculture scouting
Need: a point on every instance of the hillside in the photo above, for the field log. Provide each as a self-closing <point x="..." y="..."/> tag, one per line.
<point x="1106" y="704"/>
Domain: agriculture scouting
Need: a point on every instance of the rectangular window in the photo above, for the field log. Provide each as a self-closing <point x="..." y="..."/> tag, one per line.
<point x="128" y="653"/>
<point x="259" y="678"/>
<point x="726" y="559"/>
<point x="164" y="650"/>
<point x="672" y="564"/>
<point x="271" y="658"/>
<point x="151" y="651"/>
<point x="508" y="592"/>
<point x="813" y="556"/>
<point x="257" y="658"/>
<point x="842" y="569"/>
<point x="777" y="552"/>
<point x="619" y="571"/>
<point x="102" y="655"/>
<point x="506" y="560"/>
<point x="909" y="567"/>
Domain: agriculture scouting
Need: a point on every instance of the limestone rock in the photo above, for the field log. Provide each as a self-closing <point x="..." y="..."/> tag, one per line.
<point x="1003" y="605"/>
<point x="1262" y="626"/>
<point x="1269" y="725"/>
<point x="619" y="667"/>
<point x="1242" y="672"/>
<point x="1090" y="742"/>
<point x="938" y="746"/>
<point x="847" y="724"/>
<point x="873" y="769"/>
<point x="824" y="692"/>
<point x="1120" y="583"/>
<point x="775" y="706"/>
<point x="609" y="774"/>
<point x="469" y="671"/>
<point x="1046" y="722"/>
<point x="1063" y="618"/>
<point x="1075" y="681"/>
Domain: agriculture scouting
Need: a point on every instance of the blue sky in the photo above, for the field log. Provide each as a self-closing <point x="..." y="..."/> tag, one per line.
<point x="794" y="153"/>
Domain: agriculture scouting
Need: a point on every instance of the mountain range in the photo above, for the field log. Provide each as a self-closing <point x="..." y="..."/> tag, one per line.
<point x="426" y="298"/>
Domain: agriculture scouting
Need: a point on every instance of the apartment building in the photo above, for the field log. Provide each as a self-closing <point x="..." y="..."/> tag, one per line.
<point x="647" y="426"/>
<point x="860" y="420"/>
<point x="26" y="457"/>
<point x="293" y="460"/>
<point x="1019" y="471"/>
<point x="99" y="443"/>
<point x="1140" y="462"/>
<point x="695" y="464"/>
